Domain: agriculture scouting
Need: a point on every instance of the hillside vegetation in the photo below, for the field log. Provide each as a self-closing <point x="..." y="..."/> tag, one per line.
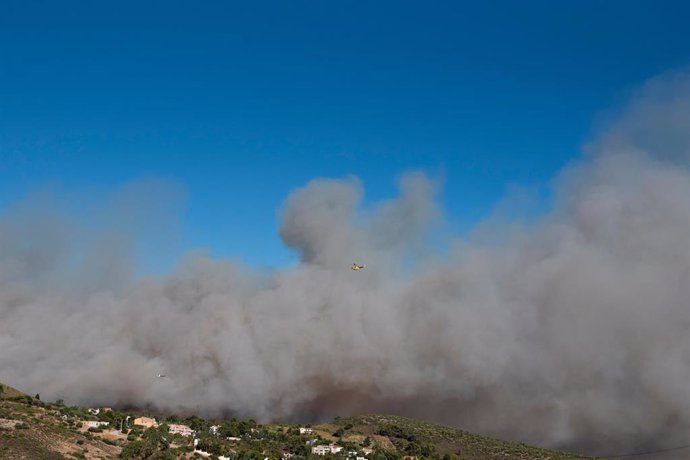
<point x="423" y="439"/>
<point x="32" y="429"/>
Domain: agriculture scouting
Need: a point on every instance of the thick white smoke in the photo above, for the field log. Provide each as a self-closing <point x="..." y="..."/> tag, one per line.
<point x="574" y="332"/>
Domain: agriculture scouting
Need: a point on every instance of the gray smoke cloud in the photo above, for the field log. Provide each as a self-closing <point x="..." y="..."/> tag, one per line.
<point x="571" y="330"/>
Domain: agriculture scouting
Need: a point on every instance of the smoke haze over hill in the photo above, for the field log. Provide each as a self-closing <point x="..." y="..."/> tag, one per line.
<point x="572" y="330"/>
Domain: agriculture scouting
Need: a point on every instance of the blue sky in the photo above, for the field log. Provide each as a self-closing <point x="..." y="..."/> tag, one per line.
<point x="238" y="103"/>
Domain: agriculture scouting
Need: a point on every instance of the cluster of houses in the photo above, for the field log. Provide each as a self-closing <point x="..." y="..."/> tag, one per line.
<point x="184" y="430"/>
<point x="324" y="449"/>
<point x="173" y="428"/>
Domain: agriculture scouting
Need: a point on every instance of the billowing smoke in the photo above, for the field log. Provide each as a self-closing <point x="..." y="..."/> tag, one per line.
<point x="571" y="330"/>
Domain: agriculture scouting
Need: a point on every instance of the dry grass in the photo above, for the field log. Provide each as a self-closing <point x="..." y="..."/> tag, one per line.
<point x="398" y="432"/>
<point x="33" y="432"/>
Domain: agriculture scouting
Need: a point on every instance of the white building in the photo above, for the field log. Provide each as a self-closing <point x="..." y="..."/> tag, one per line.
<point x="324" y="449"/>
<point x="184" y="430"/>
<point x="95" y="423"/>
<point x="214" y="429"/>
<point x="320" y="450"/>
<point x="303" y="430"/>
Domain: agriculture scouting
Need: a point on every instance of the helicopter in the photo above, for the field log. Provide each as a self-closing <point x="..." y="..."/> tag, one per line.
<point x="355" y="267"/>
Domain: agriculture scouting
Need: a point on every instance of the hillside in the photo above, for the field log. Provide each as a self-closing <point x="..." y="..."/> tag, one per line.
<point x="420" y="438"/>
<point x="7" y="391"/>
<point x="32" y="429"/>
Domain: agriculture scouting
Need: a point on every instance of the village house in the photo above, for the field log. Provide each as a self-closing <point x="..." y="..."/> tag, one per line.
<point x="320" y="450"/>
<point x="367" y="450"/>
<point x="303" y="430"/>
<point x="146" y="422"/>
<point x="98" y="410"/>
<point x="324" y="449"/>
<point x="184" y="430"/>
<point x="94" y="423"/>
<point x="215" y="430"/>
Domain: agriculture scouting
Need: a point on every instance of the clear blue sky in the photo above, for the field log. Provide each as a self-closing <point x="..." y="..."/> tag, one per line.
<point x="241" y="102"/>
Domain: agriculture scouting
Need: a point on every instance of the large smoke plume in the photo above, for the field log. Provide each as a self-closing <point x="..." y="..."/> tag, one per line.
<point x="571" y="330"/>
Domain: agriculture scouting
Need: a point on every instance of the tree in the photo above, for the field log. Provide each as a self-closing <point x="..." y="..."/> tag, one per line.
<point x="348" y="446"/>
<point x="245" y="426"/>
<point x="173" y="419"/>
<point x="413" y="449"/>
<point x="428" y="450"/>
<point x="38" y="396"/>
<point x="230" y="428"/>
<point x="132" y="450"/>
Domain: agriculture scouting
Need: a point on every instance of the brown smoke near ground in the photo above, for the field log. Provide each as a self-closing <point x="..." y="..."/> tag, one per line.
<point x="570" y="331"/>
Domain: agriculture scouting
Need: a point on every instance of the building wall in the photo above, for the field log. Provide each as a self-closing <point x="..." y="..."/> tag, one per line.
<point x="184" y="430"/>
<point x="146" y="422"/>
